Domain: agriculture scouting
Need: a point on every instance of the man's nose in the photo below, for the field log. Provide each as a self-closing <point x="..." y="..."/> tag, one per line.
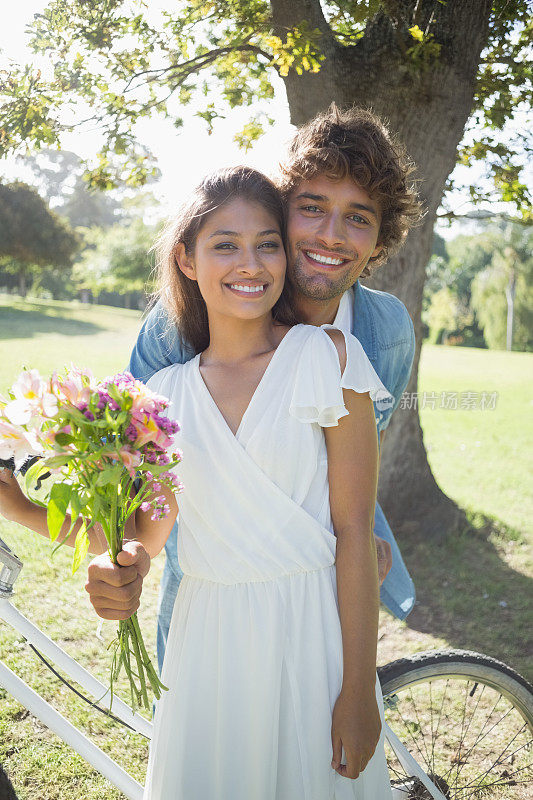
<point x="331" y="230"/>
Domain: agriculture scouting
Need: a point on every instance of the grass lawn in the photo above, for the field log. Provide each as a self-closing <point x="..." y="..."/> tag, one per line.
<point x="472" y="589"/>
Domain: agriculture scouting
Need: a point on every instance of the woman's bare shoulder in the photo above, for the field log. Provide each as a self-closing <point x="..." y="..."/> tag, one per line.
<point x="337" y="337"/>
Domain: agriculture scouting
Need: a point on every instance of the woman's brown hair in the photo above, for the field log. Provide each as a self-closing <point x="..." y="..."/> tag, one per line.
<point x="179" y="294"/>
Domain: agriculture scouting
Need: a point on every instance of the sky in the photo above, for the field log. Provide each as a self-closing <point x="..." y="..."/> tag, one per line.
<point x="184" y="156"/>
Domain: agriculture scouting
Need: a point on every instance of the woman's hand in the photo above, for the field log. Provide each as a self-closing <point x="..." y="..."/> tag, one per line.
<point x="13" y="502"/>
<point x="356" y="727"/>
<point x="115" y="590"/>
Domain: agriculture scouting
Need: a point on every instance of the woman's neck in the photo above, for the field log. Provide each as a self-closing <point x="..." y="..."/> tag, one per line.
<point x="232" y="340"/>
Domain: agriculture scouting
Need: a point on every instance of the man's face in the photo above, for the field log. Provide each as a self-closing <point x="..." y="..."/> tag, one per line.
<point x="333" y="229"/>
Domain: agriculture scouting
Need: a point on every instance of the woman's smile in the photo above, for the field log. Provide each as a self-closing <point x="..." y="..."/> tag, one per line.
<point x="247" y="289"/>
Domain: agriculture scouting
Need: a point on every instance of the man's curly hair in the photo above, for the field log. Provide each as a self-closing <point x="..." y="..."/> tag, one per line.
<point x="355" y="142"/>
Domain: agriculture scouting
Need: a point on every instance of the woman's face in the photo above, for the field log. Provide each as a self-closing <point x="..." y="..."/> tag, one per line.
<point x="238" y="261"/>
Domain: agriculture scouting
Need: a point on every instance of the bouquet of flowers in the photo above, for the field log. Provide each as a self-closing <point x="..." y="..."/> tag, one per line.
<point x="102" y="451"/>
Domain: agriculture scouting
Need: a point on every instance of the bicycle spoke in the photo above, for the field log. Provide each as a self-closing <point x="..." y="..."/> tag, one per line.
<point x="458" y="755"/>
<point x="431" y="722"/>
<point x="428" y="760"/>
<point x="497" y="763"/>
<point x="498" y="760"/>
<point x="441" y="708"/>
<point x="480" y="738"/>
<point x="504" y="780"/>
<point x="407" y="727"/>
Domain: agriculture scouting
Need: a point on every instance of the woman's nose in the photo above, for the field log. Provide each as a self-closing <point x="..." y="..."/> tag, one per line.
<point x="251" y="263"/>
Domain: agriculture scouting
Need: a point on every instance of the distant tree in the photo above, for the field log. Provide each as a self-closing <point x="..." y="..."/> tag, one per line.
<point x="502" y="294"/>
<point x="117" y="260"/>
<point x="59" y="177"/>
<point x="31" y="235"/>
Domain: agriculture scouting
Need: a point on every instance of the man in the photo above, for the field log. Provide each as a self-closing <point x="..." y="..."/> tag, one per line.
<point x="349" y="206"/>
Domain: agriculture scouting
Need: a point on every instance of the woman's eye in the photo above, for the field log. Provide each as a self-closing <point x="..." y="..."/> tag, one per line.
<point x="224" y="246"/>
<point x="359" y="219"/>
<point x="270" y="245"/>
<point x="310" y="208"/>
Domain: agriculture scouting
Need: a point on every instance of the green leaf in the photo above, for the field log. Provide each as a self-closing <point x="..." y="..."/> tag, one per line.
<point x="57" y="508"/>
<point x="81" y="547"/>
<point x="109" y="475"/>
<point x="63" y="439"/>
<point x="75" y="508"/>
<point x="32" y="476"/>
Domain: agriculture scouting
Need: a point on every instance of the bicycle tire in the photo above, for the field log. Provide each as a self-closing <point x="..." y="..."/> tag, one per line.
<point x="462" y="668"/>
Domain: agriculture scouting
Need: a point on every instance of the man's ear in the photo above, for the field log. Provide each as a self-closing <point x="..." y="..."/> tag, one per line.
<point x="377" y="250"/>
<point x="184" y="261"/>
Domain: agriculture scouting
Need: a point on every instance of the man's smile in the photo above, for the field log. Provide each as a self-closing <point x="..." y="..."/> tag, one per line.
<point x="324" y="258"/>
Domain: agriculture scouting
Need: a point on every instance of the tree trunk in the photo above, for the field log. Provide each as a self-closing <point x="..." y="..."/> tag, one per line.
<point x="428" y="108"/>
<point x="22" y="282"/>
<point x="510" y="291"/>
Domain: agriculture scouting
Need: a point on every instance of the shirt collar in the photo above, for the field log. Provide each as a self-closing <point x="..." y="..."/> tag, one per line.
<point x="344" y="317"/>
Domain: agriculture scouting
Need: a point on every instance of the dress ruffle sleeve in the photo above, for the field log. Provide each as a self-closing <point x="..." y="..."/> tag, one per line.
<point x="317" y="395"/>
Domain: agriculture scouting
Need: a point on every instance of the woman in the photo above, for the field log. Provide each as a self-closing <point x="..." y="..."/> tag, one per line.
<point x="271" y="656"/>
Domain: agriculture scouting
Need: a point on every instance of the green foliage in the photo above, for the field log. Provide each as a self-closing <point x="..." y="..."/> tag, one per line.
<point x="125" y="64"/>
<point x="30" y="232"/>
<point x="465" y="296"/>
<point x="507" y="279"/>
<point x="116" y="259"/>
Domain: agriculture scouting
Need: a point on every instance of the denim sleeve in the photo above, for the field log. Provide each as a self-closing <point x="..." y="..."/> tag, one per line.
<point x="401" y="358"/>
<point x="158" y="345"/>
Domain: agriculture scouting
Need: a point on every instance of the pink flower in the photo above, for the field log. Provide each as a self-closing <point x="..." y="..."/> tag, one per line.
<point x="146" y="506"/>
<point x="130" y="459"/>
<point x="16" y="442"/>
<point x="148" y="431"/>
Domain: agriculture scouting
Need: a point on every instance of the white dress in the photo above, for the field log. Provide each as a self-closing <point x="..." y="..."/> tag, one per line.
<point x="254" y="653"/>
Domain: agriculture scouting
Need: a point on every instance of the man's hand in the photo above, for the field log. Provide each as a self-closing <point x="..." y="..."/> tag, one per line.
<point x="115" y="590"/>
<point x="384" y="558"/>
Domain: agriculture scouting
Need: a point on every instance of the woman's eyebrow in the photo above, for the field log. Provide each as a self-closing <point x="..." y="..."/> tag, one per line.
<point x="235" y="233"/>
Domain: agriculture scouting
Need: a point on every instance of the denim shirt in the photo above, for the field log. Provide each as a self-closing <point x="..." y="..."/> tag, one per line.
<point x="384" y="328"/>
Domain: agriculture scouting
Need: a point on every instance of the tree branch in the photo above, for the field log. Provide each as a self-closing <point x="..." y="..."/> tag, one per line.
<point x="196" y="63"/>
<point x="478" y="215"/>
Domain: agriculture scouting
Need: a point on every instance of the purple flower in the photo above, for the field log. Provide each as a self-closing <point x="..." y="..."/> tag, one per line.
<point x="131" y="432"/>
<point x="89" y="415"/>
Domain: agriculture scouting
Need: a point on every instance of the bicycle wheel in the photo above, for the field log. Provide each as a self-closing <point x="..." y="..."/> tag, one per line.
<point x="468" y="721"/>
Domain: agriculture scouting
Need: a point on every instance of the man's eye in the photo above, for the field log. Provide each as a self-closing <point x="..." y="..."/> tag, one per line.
<point x="358" y="218"/>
